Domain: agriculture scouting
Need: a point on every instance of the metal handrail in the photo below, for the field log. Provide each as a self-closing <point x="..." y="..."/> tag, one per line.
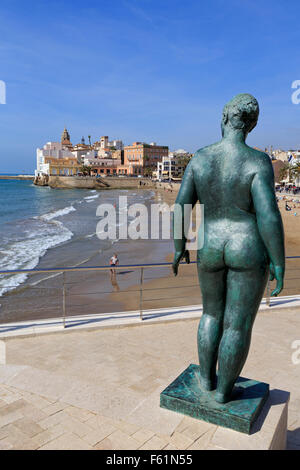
<point x="88" y="268"/>
<point x="64" y="270"/>
<point x="98" y="268"/>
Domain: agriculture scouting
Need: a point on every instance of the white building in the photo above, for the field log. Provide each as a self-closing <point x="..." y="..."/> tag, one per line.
<point x="90" y="155"/>
<point x="168" y="168"/>
<point x="171" y="167"/>
<point x="51" y="149"/>
<point x="104" y="143"/>
<point x="117" y="144"/>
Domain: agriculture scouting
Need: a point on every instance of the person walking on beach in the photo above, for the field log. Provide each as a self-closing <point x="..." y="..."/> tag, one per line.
<point x="114" y="261"/>
<point x="243" y="242"/>
<point x="287" y="207"/>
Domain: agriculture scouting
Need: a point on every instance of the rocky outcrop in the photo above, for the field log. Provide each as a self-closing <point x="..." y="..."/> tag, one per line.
<point x="41" y="180"/>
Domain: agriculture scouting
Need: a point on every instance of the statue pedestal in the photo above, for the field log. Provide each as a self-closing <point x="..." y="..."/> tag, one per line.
<point x="259" y="417"/>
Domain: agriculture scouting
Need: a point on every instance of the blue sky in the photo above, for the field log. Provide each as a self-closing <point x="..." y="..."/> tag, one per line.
<point x="148" y="70"/>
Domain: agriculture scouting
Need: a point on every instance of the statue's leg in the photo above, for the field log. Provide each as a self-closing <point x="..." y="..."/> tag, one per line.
<point x="243" y="295"/>
<point x="213" y="286"/>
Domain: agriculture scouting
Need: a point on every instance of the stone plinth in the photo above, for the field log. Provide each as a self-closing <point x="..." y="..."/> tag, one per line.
<point x="256" y="417"/>
<point x="186" y="396"/>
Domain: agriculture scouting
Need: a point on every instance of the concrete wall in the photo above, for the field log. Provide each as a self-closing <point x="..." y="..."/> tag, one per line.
<point x="99" y="183"/>
<point x="18" y="177"/>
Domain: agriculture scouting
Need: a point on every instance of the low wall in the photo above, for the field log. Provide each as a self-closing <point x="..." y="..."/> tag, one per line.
<point x="86" y="182"/>
<point x="17" y="177"/>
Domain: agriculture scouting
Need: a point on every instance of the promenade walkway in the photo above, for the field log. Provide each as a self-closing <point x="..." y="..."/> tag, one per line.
<point x="99" y="388"/>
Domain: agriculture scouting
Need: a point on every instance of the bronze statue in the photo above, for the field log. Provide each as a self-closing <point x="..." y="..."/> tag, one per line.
<point x="243" y="241"/>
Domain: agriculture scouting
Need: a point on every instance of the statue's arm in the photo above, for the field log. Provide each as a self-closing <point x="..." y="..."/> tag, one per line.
<point x="187" y="196"/>
<point x="269" y="220"/>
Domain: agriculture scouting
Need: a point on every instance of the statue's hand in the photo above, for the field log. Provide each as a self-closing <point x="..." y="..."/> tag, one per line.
<point x="277" y="272"/>
<point x="179" y="255"/>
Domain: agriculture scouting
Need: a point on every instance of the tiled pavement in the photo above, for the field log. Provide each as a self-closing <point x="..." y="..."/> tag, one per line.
<point x="29" y="421"/>
<point x="99" y="389"/>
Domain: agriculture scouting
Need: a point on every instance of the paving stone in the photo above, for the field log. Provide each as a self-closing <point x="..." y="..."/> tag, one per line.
<point x="32" y="412"/>
<point x="10" y="418"/>
<point x="97" y="435"/>
<point x="155" y="443"/>
<point x="202" y="442"/>
<point x="54" y="408"/>
<point x="180" y="440"/>
<point x="27" y="426"/>
<point x="48" y="435"/>
<point x="143" y="435"/>
<point x="16" y="437"/>
<point x="170" y="447"/>
<point x="97" y="421"/>
<point x="127" y="428"/>
<point x="66" y="442"/>
<point x="49" y="421"/>
<point x="197" y="428"/>
<point x="118" y="440"/>
<point x="79" y="413"/>
<point x="5" y="445"/>
<point x="12" y="407"/>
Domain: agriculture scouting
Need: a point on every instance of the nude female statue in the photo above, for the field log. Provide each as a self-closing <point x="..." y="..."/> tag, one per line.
<point x="243" y="241"/>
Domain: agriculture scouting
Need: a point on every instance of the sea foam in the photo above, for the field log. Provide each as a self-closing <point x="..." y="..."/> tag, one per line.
<point x="46" y="233"/>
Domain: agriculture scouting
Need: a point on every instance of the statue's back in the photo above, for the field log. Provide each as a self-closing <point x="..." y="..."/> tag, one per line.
<point x="223" y="177"/>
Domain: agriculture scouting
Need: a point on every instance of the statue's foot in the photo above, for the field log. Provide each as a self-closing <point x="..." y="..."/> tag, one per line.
<point x="208" y="384"/>
<point x="226" y="397"/>
<point x="222" y="397"/>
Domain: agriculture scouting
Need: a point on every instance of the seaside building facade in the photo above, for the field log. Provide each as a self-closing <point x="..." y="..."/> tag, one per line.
<point x="172" y="166"/>
<point x="54" y="150"/>
<point x="104" y="157"/>
<point x="141" y="158"/>
<point x="66" y="166"/>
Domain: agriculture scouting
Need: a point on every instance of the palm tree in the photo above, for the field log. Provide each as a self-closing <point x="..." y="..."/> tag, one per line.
<point x="89" y="137"/>
<point x="285" y="171"/>
<point x="85" y="170"/>
<point x="290" y="171"/>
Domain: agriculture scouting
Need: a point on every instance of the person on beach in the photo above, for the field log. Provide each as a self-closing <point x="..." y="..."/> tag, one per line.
<point x="243" y="242"/>
<point x="287" y="207"/>
<point x="114" y="261"/>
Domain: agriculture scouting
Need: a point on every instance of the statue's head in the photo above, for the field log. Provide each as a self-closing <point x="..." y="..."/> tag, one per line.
<point x="241" y="113"/>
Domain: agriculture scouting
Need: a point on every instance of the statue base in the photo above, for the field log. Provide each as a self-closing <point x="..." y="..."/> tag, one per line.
<point x="185" y="396"/>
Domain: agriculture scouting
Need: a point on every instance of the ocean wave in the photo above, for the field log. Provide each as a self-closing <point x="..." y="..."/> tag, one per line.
<point x="58" y="213"/>
<point x="88" y="198"/>
<point x="91" y="235"/>
<point x="26" y="253"/>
